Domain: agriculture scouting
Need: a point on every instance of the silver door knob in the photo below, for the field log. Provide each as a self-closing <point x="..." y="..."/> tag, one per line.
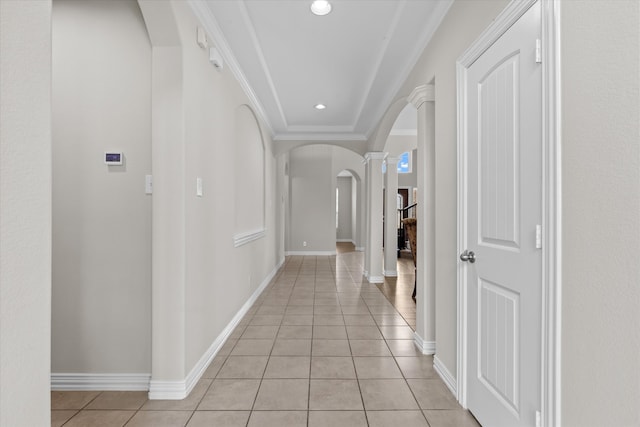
<point x="468" y="256"/>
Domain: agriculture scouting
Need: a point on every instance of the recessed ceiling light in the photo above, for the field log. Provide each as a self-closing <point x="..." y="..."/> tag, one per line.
<point x="320" y="7"/>
<point x="320" y="106"/>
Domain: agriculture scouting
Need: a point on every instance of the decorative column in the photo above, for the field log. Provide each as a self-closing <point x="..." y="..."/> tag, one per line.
<point x="423" y="98"/>
<point x="373" y="249"/>
<point x="391" y="217"/>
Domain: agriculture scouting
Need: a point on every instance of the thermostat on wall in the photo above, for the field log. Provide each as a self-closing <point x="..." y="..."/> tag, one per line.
<point x="113" y="158"/>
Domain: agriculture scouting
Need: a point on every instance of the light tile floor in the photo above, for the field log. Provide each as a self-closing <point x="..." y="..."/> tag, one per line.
<point x="320" y="347"/>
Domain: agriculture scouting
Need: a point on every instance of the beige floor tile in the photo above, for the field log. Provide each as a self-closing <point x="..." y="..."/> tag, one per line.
<point x="243" y="367"/>
<point x="253" y="347"/>
<point x="299" y="310"/>
<point x="107" y="418"/>
<point x="288" y="367"/>
<point x="58" y="418"/>
<point x="266" y="320"/>
<point x="376" y="367"/>
<point x="403" y="348"/>
<point x="290" y="347"/>
<point x="387" y="395"/>
<point x="278" y="419"/>
<point x="122" y="400"/>
<point x="337" y="419"/>
<point x="160" y="419"/>
<point x="360" y="309"/>
<point x="332" y="367"/>
<point x="271" y="309"/>
<point x="329" y="332"/>
<point x="392" y="320"/>
<point x="432" y="394"/>
<point x="450" y="418"/>
<point x="330" y="348"/>
<point x="397" y="332"/>
<point x="283" y="395"/>
<point x="364" y="333"/>
<point x="297" y="319"/>
<point x="295" y="332"/>
<point x="369" y="348"/>
<point x="230" y="395"/>
<point x="359" y="320"/>
<point x="327" y="309"/>
<point x="190" y="403"/>
<point x="328" y="320"/>
<point x="417" y="367"/>
<point x="396" y="418"/>
<point x="72" y="399"/>
<point x="214" y="367"/>
<point x="334" y="395"/>
<point x="219" y="418"/>
<point x="260" y="332"/>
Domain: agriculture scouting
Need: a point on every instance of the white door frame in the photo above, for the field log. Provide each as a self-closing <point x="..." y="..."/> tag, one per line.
<point x="551" y="199"/>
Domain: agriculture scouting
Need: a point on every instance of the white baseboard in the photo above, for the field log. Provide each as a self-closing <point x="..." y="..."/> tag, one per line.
<point x="111" y="382"/>
<point x="446" y="376"/>
<point x="390" y="273"/>
<point x="359" y="248"/>
<point x="426" y="347"/>
<point x="375" y="279"/>
<point x="172" y="390"/>
<point x="344" y="241"/>
<point x="310" y="253"/>
<point x="177" y="390"/>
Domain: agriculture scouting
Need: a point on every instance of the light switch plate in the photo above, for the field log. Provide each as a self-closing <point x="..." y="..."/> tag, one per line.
<point x="199" y="187"/>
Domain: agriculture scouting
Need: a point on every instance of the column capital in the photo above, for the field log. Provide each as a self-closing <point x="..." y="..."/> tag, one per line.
<point x="374" y="155"/>
<point x="422" y="94"/>
<point x="392" y="158"/>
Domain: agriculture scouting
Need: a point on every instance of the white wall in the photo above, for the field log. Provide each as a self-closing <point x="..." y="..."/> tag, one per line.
<point x="101" y="320"/>
<point x="601" y="199"/>
<point x="313" y="202"/>
<point x="460" y="27"/>
<point x="196" y="308"/>
<point x="601" y="213"/>
<point x="344" y="231"/>
<point x="25" y="213"/>
<point x="313" y="177"/>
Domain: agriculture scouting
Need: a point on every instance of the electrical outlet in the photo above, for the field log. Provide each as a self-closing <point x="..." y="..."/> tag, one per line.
<point x="304" y="243"/>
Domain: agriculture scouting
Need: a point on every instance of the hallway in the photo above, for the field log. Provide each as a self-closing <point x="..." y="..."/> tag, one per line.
<point x="319" y="348"/>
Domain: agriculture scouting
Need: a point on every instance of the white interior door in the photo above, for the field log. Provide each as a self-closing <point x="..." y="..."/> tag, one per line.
<point x="503" y="140"/>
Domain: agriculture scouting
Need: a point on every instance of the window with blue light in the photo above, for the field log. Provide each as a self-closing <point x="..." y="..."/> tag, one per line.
<point x="404" y="165"/>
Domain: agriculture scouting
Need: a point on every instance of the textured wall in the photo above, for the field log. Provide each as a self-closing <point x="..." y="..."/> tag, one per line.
<point x="25" y="212"/>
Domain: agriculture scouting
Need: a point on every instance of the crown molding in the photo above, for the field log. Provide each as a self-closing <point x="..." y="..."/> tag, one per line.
<point x="210" y="24"/>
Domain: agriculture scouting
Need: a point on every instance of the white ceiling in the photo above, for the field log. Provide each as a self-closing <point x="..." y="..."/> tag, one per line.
<point x="353" y="60"/>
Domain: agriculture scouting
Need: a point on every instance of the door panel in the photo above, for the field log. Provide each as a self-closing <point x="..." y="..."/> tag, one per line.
<point x="504" y="205"/>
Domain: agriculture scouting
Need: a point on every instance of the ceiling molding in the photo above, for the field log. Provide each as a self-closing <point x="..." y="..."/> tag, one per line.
<point x="263" y="63"/>
<point x="206" y="18"/>
<point x="394" y="86"/>
<point x="388" y="36"/>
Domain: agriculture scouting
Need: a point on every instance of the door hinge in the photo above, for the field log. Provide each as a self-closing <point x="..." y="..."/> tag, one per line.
<point x="538" y="51"/>
<point x="538" y="236"/>
<point x="538" y="419"/>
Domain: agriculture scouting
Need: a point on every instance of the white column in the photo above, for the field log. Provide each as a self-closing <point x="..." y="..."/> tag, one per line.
<point x="373" y="250"/>
<point x="391" y="217"/>
<point x="366" y="218"/>
<point x="423" y="98"/>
